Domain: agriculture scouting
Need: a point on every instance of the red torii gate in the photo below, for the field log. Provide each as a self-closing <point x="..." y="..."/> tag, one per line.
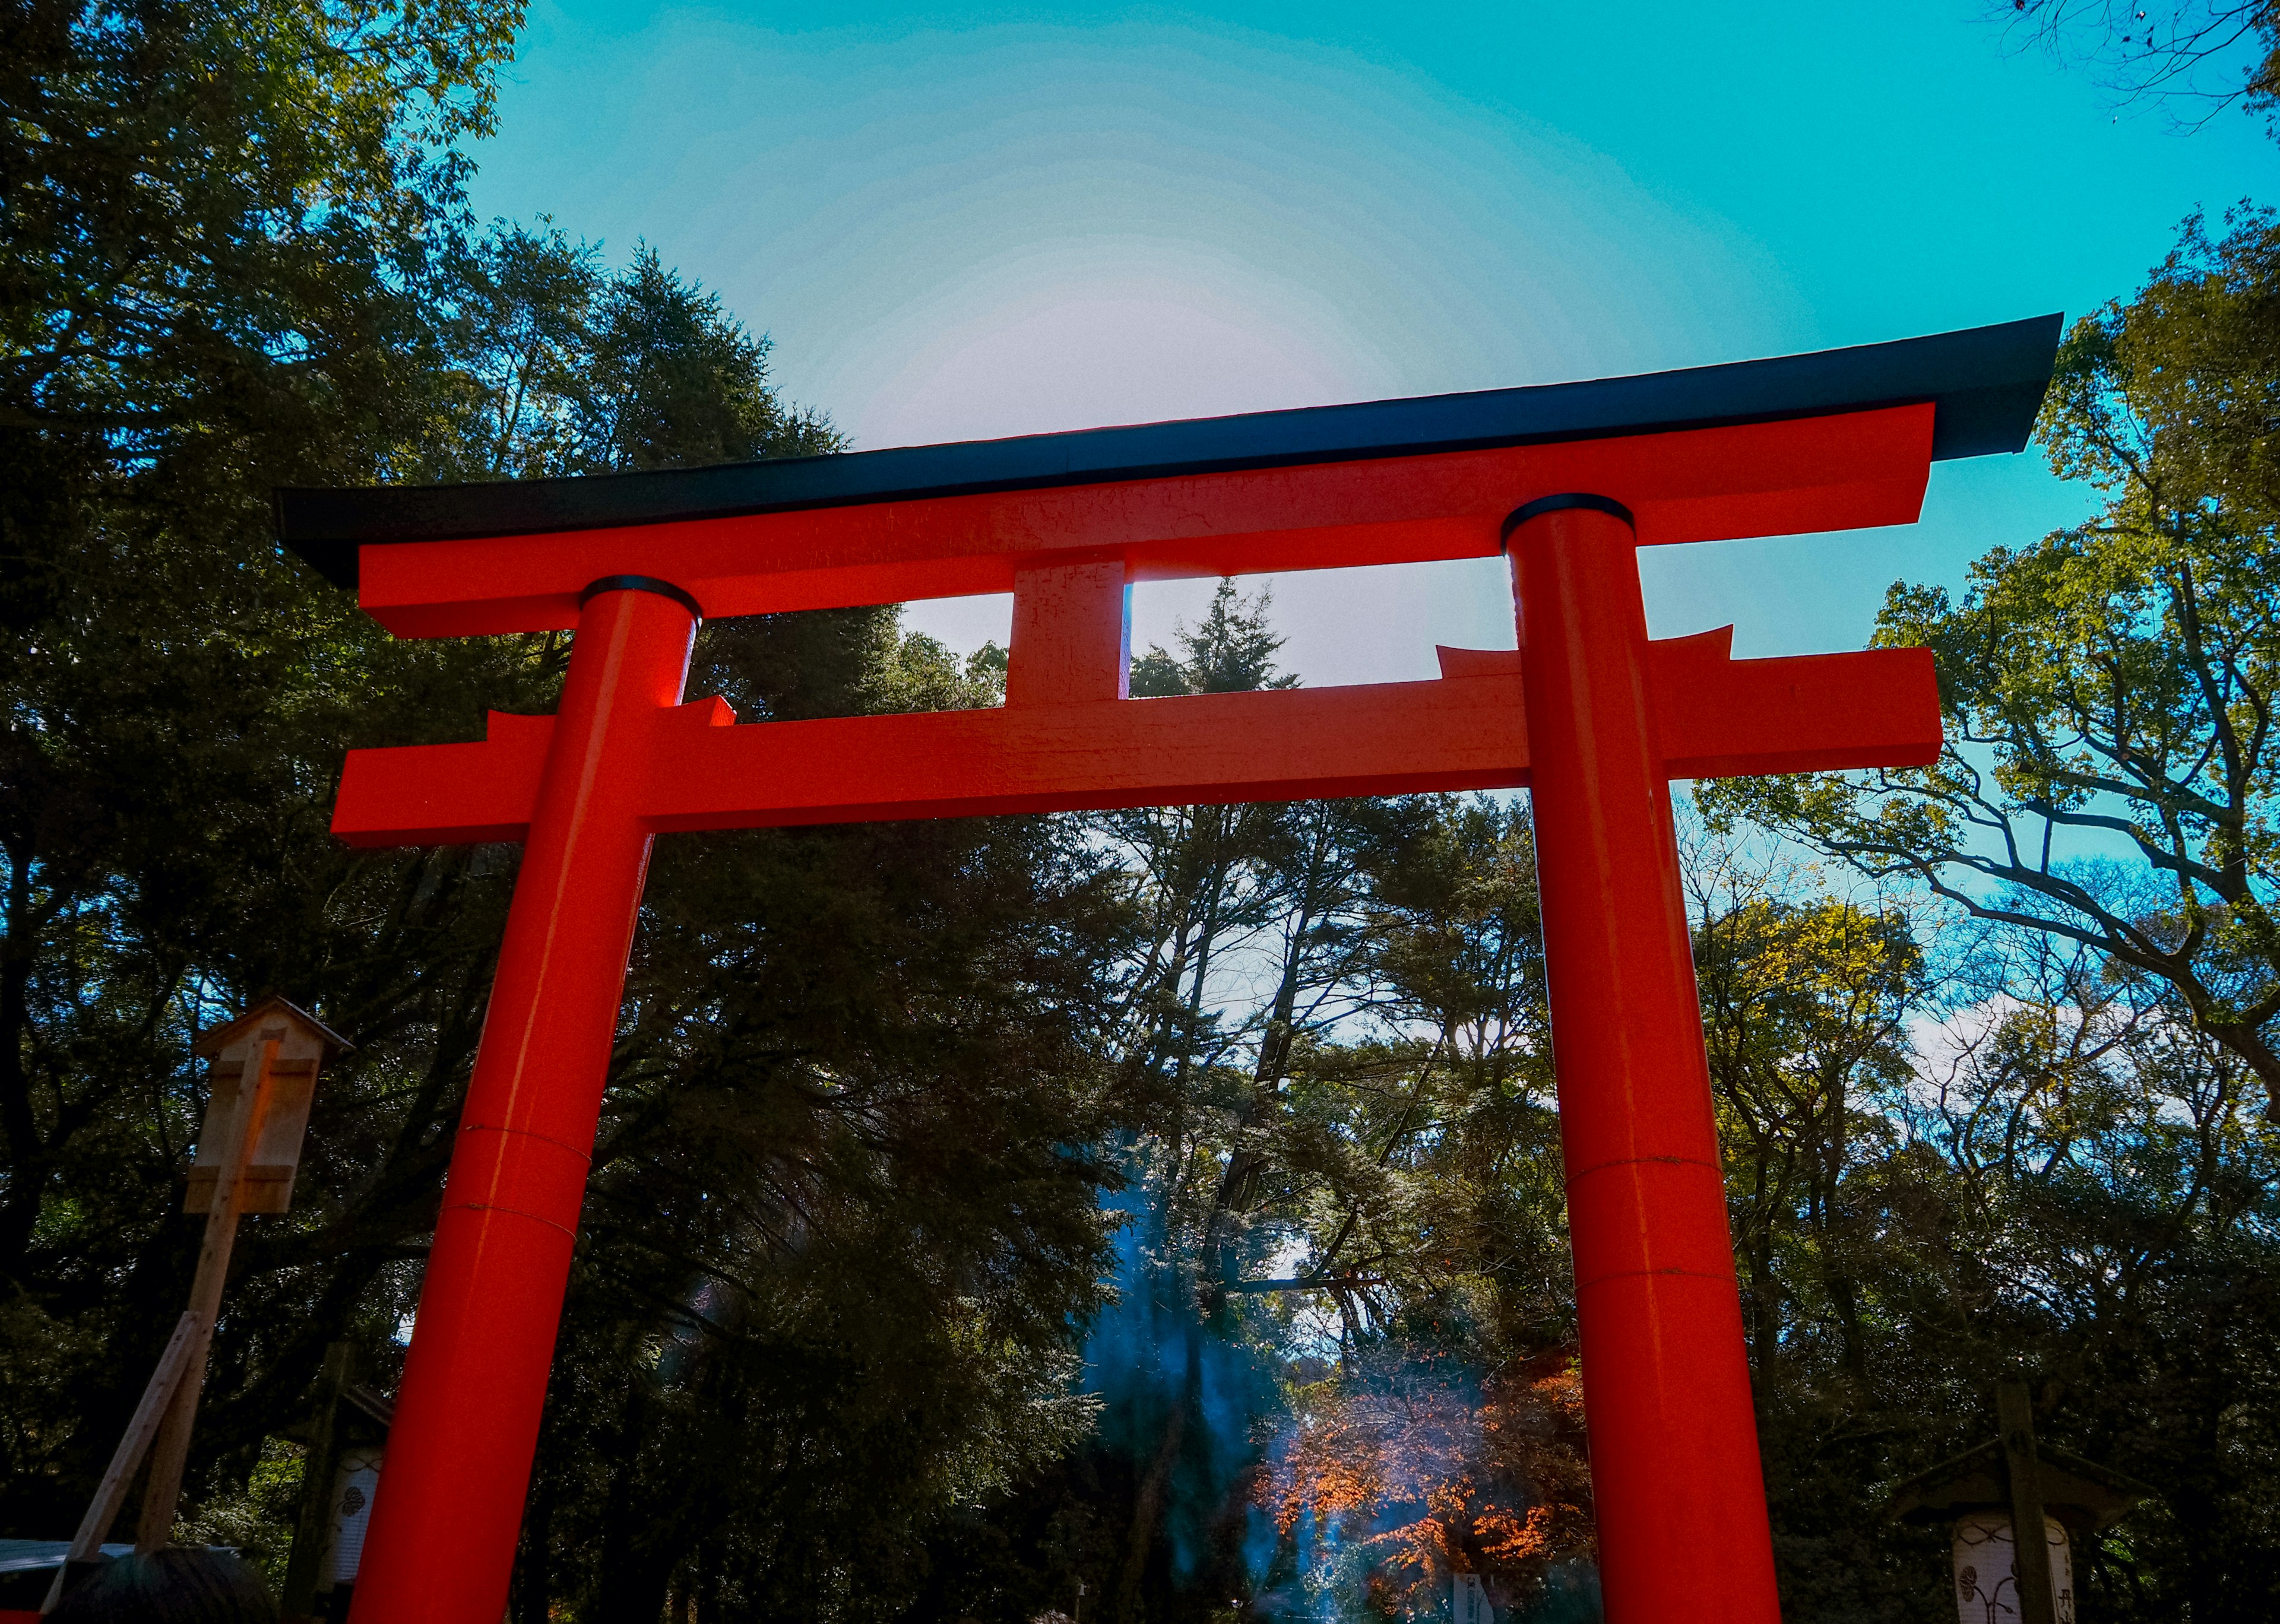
<point x="1590" y="714"/>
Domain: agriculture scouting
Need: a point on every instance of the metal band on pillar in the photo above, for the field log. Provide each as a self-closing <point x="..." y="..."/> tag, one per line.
<point x="641" y="583"/>
<point x="1567" y="500"/>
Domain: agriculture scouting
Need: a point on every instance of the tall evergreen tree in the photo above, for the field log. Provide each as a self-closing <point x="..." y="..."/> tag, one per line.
<point x="843" y="1217"/>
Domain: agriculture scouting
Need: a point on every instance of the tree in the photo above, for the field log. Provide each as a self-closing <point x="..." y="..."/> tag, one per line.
<point x="2195" y="57"/>
<point x="2075" y="1192"/>
<point x="844" y="1215"/>
<point x="2104" y="1196"/>
<point x="560" y="367"/>
<point x="2111" y="774"/>
<point x="1228" y="895"/>
<point x="215" y="217"/>
<point x="1424" y="1191"/>
<point x="1314" y="1173"/>
<point x="214" y="228"/>
<point x="1390" y="1482"/>
<point x="1805" y="1005"/>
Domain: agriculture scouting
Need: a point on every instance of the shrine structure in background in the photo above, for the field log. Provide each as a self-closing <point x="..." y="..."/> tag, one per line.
<point x="1591" y="715"/>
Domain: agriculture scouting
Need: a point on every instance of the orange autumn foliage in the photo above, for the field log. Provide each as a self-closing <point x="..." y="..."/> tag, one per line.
<point x="1395" y="1484"/>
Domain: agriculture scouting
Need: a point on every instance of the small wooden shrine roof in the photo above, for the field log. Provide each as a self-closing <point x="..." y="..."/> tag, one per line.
<point x="2079" y="1493"/>
<point x="272" y="1007"/>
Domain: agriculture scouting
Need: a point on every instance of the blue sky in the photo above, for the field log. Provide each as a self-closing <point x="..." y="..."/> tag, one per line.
<point x="958" y="223"/>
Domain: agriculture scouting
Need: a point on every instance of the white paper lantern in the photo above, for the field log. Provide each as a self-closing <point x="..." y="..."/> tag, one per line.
<point x="1987" y="1573"/>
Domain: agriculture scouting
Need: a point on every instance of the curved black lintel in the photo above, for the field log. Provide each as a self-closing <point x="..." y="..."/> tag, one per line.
<point x="1986" y="383"/>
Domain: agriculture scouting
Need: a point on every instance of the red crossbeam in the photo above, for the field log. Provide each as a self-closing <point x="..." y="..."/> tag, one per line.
<point x="1718" y="717"/>
<point x="1844" y="471"/>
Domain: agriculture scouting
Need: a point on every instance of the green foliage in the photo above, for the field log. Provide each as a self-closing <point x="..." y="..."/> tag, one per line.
<point x="214" y="214"/>
<point x="2113" y="686"/>
<point x="559" y="367"/>
<point x="1805" y="1002"/>
<point x="1329" y="1027"/>
<point x="2067" y="1185"/>
<point x="834" y="1181"/>
<point x="1253" y="1105"/>
<point x="843" y="1217"/>
<point x="257" y="1520"/>
<point x="2074" y="1184"/>
<point x="215" y="221"/>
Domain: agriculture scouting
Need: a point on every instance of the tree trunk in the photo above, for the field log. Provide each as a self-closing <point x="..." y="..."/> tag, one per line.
<point x="534" y="1579"/>
<point x="26" y="1155"/>
<point x="1764" y="1308"/>
<point x="1156" y="1484"/>
<point x="2247" y="1041"/>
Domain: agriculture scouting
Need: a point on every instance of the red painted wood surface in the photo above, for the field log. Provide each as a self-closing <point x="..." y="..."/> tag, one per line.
<point x="1676" y="1480"/>
<point x="441" y="1544"/>
<point x="1071" y="634"/>
<point x="1591" y="716"/>
<point x="1763" y="478"/>
<point x="1720" y="717"/>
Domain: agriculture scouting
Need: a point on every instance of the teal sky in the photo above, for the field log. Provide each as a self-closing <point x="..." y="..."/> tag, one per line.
<point x="964" y="223"/>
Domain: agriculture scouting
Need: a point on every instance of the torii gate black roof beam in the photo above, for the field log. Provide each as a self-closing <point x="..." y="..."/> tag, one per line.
<point x="1987" y="384"/>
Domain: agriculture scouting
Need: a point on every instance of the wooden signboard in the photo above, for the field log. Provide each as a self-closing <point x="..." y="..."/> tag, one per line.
<point x="304" y="1045"/>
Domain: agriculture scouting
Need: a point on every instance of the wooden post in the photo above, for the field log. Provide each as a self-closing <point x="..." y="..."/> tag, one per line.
<point x="88" y="1542"/>
<point x="173" y="1450"/>
<point x="318" y="1466"/>
<point x="244" y="1102"/>
<point x="2015" y="1416"/>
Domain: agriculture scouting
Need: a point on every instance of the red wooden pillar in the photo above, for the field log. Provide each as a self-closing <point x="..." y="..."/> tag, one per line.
<point x="440" y="1549"/>
<point x="1071" y="634"/>
<point x="1681" y="1495"/>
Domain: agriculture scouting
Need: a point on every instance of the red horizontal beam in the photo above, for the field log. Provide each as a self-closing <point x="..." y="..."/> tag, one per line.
<point x="1717" y="717"/>
<point x="1846" y="472"/>
<point x="1725" y="718"/>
